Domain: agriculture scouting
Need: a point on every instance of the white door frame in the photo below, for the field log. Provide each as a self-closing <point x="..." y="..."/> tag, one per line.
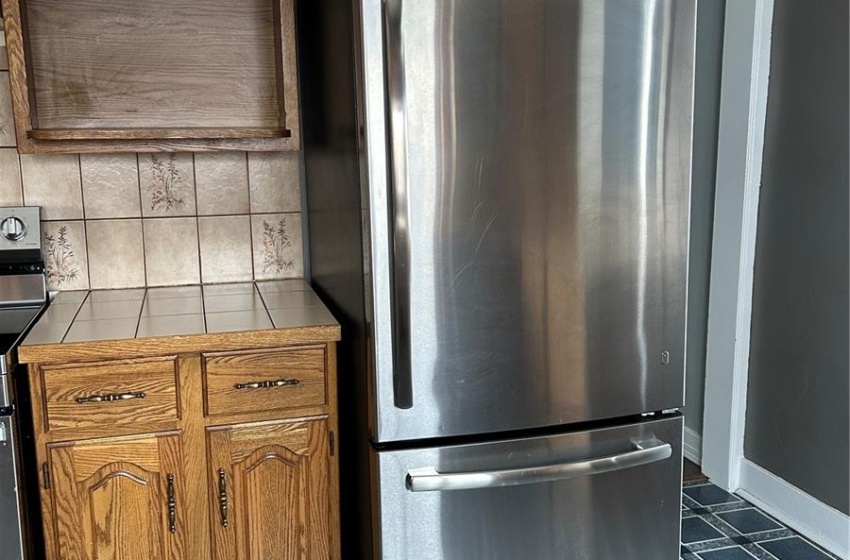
<point x="743" y="108"/>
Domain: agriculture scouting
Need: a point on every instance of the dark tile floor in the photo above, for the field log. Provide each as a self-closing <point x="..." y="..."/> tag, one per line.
<point x="717" y="525"/>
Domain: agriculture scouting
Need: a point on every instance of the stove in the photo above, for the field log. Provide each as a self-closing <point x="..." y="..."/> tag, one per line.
<point x="23" y="297"/>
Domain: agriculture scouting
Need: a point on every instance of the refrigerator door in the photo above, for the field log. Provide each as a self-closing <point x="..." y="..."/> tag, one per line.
<point x="534" y="212"/>
<point x="607" y="493"/>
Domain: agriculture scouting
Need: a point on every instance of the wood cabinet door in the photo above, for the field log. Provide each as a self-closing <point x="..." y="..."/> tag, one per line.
<point x="116" y="499"/>
<point x="269" y="490"/>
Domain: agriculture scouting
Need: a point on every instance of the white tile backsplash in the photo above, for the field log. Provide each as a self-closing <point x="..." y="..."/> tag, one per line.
<point x="7" y="121"/>
<point x="131" y="220"/>
<point x="52" y="181"/>
<point x="110" y="185"/>
<point x="275" y="179"/>
<point x="225" y="249"/>
<point x="116" y="255"/>
<point x="11" y="191"/>
<point x="171" y="251"/>
<point x="222" y="183"/>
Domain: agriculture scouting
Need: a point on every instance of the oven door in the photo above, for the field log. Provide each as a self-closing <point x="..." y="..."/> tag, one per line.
<point x="10" y="502"/>
<point x="605" y="493"/>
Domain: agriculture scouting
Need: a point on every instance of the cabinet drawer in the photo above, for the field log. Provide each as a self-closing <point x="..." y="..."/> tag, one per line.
<point x="245" y="382"/>
<point x="113" y="394"/>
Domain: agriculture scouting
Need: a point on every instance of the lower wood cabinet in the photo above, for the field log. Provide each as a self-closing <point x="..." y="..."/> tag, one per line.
<point x="117" y="498"/>
<point x="231" y="485"/>
<point x="269" y="489"/>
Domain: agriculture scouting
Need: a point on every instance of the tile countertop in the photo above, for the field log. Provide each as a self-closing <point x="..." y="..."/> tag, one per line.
<point x="186" y="312"/>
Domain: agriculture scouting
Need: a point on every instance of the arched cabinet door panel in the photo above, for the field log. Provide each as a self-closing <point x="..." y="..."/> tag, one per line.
<point x="269" y="494"/>
<point x="117" y="498"/>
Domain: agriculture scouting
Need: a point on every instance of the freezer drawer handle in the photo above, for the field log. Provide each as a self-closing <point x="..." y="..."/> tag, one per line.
<point x="427" y="479"/>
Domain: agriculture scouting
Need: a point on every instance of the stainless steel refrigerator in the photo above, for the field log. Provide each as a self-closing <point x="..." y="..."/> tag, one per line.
<point x="498" y="196"/>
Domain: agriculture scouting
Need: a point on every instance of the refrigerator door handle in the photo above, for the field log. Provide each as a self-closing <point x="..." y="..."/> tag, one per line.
<point x="402" y="374"/>
<point x="427" y="479"/>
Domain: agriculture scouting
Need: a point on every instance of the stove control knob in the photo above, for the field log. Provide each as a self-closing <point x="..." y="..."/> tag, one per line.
<point x="13" y="229"/>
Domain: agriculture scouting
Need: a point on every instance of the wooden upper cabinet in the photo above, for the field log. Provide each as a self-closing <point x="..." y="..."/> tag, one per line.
<point x="124" y="75"/>
<point x="119" y="498"/>
<point x="269" y="491"/>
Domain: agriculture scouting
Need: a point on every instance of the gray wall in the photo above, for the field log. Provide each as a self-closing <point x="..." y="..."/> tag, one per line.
<point x="706" y="107"/>
<point x="797" y="405"/>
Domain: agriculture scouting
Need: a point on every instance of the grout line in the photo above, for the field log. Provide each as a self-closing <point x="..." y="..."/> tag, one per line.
<point x="198" y="234"/>
<point x="265" y="305"/>
<point x="82" y="193"/>
<point x="85" y="229"/>
<point x="253" y="252"/>
<point x="88" y="262"/>
<point x="250" y="214"/>
<point x="74" y="319"/>
<point x="198" y="244"/>
<point x="176" y="217"/>
<point x="21" y="176"/>
<point x="144" y="252"/>
<point x="142" y="217"/>
<point x="195" y="183"/>
<point x="766" y="551"/>
<point x="139" y="318"/>
<point x="139" y="183"/>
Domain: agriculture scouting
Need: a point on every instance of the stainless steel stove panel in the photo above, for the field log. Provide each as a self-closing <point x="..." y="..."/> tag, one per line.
<point x="23" y="294"/>
<point x="20" y="228"/>
<point x="22" y="289"/>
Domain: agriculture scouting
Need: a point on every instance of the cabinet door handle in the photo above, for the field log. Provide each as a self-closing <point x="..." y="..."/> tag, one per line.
<point x="111" y="397"/>
<point x="172" y="505"/>
<point x="222" y="497"/>
<point x="268" y="384"/>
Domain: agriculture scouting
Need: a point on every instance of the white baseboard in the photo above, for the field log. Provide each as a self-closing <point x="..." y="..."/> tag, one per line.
<point x="819" y="522"/>
<point x="692" y="446"/>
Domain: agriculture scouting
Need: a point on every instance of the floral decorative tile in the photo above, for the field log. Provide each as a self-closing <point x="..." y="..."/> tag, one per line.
<point x="110" y="185"/>
<point x="65" y="255"/>
<point x="167" y="181"/>
<point x="11" y="191"/>
<point x="277" y="246"/>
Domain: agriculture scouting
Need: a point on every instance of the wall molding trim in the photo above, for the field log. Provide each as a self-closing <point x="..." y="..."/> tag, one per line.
<point x="743" y="111"/>
<point x="807" y="515"/>
<point x="692" y="446"/>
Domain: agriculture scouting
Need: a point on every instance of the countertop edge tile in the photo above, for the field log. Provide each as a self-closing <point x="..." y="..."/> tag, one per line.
<point x="266" y="331"/>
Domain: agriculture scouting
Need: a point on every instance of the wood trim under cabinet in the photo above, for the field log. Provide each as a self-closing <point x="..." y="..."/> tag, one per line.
<point x="104" y="134"/>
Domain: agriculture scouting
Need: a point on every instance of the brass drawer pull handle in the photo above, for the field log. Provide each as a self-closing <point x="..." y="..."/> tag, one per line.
<point x="268" y="384"/>
<point x="172" y="505"/>
<point x="111" y="398"/>
<point x="222" y="497"/>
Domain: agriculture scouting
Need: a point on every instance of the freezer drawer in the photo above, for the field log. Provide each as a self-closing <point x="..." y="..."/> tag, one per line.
<point x="611" y="493"/>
